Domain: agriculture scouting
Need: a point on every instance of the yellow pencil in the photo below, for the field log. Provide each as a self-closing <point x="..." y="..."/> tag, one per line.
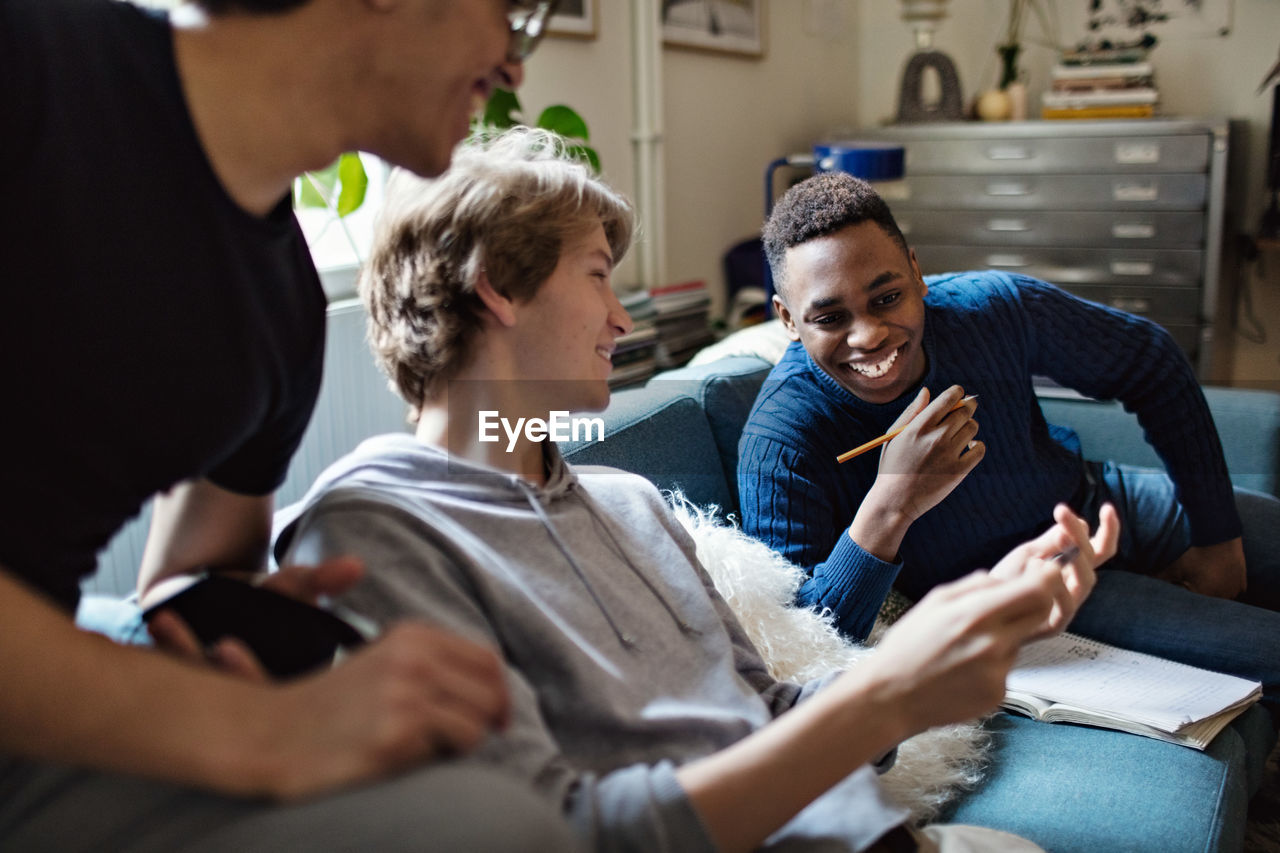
<point x="876" y="442"/>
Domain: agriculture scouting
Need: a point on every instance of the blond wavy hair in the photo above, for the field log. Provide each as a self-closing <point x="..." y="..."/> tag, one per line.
<point x="508" y="205"/>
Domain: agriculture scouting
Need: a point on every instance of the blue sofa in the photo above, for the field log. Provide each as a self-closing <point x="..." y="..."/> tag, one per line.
<point x="1068" y="788"/>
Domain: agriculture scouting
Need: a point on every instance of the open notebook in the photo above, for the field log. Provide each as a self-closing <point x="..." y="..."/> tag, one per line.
<point x="1072" y="679"/>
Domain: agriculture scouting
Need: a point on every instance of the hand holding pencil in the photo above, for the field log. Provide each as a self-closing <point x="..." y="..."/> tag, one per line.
<point x="892" y="434"/>
<point x="927" y="452"/>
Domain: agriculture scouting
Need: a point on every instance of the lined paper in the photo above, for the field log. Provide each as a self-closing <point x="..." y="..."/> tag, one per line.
<point x="1075" y="670"/>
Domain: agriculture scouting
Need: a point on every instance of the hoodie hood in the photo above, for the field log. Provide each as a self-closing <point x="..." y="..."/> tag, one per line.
<point x="401" y="468"/>
<point x="402" y="463"/>
<point x="400" y="458"/>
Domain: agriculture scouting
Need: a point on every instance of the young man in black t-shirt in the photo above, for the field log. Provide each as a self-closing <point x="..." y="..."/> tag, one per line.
<point x="163" y="333"/>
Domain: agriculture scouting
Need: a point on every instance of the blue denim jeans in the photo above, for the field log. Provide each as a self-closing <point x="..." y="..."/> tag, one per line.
<point x="1129" y="608"/>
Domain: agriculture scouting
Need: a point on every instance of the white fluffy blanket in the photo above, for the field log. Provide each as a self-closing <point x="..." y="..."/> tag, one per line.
<point x="799" y="644"/>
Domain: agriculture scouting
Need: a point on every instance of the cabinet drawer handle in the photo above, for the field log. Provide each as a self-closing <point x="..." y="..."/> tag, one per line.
<point x="1007" y="225"/>
<point x="1006" y="188"/>
<point x="1132" y="268"/>
<point x="1132" y="153"/>
<point x="1135" y="191"/>
<point x="1006" y="261"/>
<point x="1008" y="152"/>
<point x="1132" y="304"/>
<point x="1133" y="231"/>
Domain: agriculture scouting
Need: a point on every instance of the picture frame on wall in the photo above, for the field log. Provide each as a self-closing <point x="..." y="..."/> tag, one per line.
<point x="719" y="26"/>
<point x="574" y="19"/>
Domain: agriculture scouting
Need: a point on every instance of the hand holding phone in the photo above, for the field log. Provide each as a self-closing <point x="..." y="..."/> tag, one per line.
<point x="288" y="636"/>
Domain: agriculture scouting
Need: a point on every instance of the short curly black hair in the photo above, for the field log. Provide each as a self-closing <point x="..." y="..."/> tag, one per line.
<point x="818" y="206"/>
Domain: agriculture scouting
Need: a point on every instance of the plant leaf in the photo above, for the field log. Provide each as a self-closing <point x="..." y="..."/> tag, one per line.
<point x="564" y="121"/>
<point x="353" y="182"/>
<point x="503" y="111"/>
<point x="317" y="187"/>
<point x="306" y="194"/>
<point x="500" y="109"/>
<point x="586" y="154"/>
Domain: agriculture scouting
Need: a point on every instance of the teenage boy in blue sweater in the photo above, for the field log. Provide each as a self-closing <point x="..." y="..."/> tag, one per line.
<point x="876" y="346"/>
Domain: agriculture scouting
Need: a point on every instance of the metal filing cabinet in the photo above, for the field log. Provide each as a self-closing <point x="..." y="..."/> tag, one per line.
<point x="1125" y="213"/>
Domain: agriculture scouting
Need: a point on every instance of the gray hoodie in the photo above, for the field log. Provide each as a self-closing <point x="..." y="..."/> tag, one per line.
<point x="622" y="660"/>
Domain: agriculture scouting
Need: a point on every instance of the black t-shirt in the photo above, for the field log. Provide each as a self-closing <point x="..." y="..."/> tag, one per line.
<point x="151" y="330"/>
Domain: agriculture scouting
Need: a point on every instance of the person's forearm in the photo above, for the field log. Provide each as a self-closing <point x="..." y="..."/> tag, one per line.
<point x="1135" y="361"/>
<point x="748" y="791"/>
<point x="198" y="525"/>
<point x="1180" y="428"/>
<point x="879" y="528"/>
<point x="852" y="585"/>
<point x="77" y="698"/>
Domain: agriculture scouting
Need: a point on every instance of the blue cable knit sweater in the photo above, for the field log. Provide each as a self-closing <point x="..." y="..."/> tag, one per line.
<point x="988" y="332"/>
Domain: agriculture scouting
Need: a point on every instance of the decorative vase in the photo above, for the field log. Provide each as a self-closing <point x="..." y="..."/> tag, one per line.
<point x="1017" y="92"/>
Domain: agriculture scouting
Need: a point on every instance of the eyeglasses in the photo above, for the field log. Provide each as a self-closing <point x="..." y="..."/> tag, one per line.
<point x="528" y="20"/>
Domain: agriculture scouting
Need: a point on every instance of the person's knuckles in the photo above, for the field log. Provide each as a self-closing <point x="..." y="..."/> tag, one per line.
<point x="465" y="733"/>
<point x="404" y="722"/>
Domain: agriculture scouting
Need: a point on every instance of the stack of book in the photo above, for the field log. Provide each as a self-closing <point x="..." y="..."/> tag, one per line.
<point x="635" y="359"/>
<point x="1083" y="88"/>
<point x="682" y="320"/>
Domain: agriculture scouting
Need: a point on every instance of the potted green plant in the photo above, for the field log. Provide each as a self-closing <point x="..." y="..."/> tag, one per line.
<point x="503" y="110"/>
<point x="341" y="187"/>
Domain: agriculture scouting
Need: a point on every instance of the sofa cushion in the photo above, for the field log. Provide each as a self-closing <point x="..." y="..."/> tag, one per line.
<point x="1074" y="788"/>
<point x="663" y="436"/>
<point x="726" y="390"/>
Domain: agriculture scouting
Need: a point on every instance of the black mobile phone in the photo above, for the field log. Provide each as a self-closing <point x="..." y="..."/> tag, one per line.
<point x="288" y="636"/>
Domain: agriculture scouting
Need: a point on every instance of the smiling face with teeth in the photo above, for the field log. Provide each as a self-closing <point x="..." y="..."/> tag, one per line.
<point x="855" y="300"/>
<point x="432" y="64"/>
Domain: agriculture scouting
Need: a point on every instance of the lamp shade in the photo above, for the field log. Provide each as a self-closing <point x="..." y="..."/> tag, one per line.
<point x="923" y="12"/>
<point x="923" y="16"/>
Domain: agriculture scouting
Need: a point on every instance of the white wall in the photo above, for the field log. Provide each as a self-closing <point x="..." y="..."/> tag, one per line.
<point x="594" y="77"/>
<point x="725" y="117"/>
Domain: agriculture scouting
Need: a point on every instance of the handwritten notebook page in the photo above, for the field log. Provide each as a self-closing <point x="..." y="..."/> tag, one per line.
<point x="1075" y="670"/>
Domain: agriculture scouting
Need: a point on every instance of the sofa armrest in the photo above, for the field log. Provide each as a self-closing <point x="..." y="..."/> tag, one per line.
<point x="1075" y="789"/>
<point x="1248" y="423"/>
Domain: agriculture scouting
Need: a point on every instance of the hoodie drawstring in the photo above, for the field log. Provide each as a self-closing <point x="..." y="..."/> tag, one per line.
<point x="625" y="639"/>
<point x="684" y="626"/>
